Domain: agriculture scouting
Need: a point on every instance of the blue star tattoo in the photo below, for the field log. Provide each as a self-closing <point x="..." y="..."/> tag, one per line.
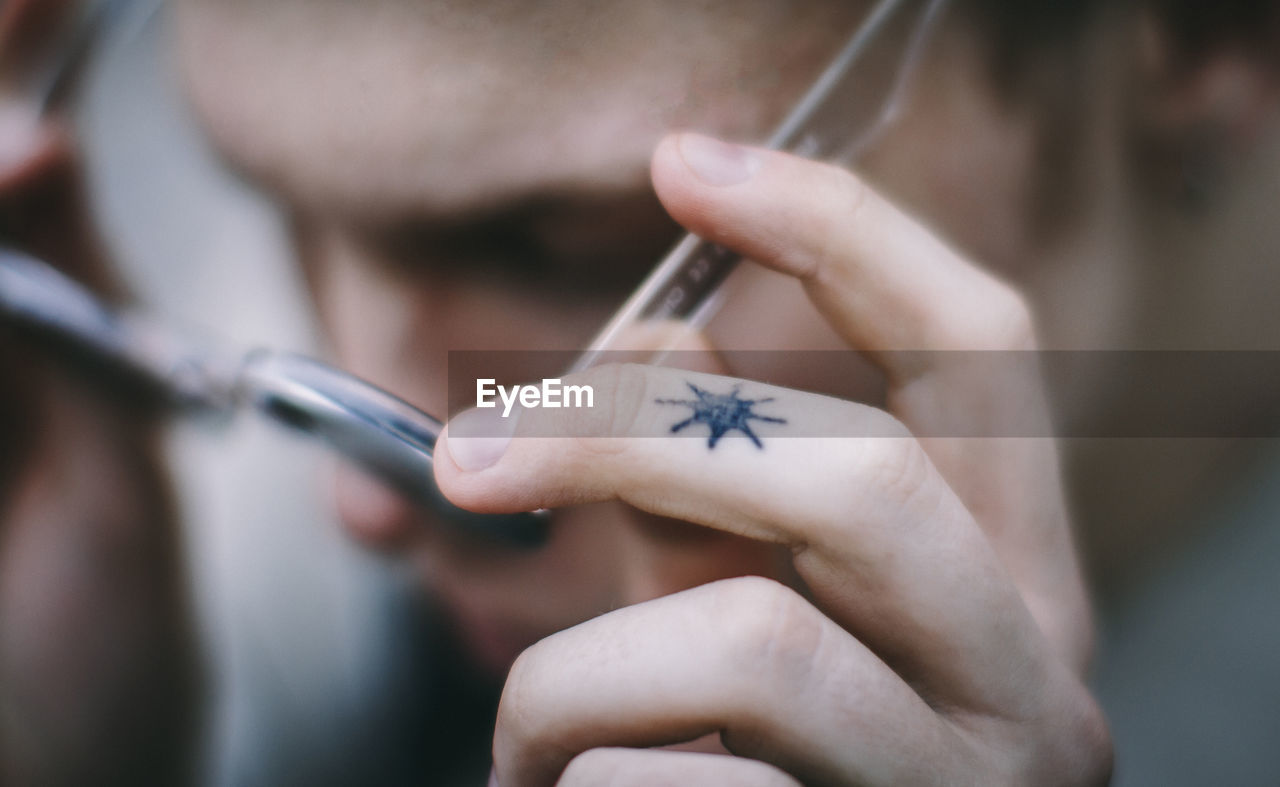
<point x="724" y="413"/>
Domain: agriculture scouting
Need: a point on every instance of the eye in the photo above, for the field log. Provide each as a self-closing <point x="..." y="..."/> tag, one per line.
<point x="488" y="249"/>
<point x="581" y="245"/>
<point x="608" y="244"/>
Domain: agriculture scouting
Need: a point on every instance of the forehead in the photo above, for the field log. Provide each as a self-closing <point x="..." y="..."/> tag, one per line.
<point x="399" y="106"/>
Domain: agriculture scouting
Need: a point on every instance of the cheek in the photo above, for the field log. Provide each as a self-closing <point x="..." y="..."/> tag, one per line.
<point x="502" y="601"/>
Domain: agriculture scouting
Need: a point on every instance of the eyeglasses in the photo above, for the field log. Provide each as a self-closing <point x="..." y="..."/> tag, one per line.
<point x="854" y="100"/>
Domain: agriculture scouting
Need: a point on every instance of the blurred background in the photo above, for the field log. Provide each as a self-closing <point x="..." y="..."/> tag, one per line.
<point x="313" y="648"/>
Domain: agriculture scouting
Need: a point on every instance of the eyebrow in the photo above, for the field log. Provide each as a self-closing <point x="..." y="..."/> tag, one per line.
<point x="539" y="233"/>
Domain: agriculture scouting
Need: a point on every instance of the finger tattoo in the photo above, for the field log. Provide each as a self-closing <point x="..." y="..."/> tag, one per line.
<point x="722" y="413"/>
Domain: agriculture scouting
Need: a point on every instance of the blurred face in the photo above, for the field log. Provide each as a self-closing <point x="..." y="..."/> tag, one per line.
<point x="475" y="176"/>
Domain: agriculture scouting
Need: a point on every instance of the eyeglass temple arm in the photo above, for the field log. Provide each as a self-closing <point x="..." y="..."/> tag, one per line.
<point x="370" y="428"/>
<point x="686" y="284"/>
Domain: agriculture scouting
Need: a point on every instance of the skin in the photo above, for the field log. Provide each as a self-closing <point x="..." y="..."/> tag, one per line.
<point x="899" y="609"/>
<point x="862" y="610"/>
<point x="866" y="521"/>
<point x="98" y="682"/>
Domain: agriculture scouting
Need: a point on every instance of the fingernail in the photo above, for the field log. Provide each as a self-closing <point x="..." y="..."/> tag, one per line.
<point x="479" y="437"/>
<point x="718" y="163"/>
<point x="493" y="778"/>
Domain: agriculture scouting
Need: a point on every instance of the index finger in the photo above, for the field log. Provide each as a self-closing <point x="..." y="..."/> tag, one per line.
<point x="883" y="279"/>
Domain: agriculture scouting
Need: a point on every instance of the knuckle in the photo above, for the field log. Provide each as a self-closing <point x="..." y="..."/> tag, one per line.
<point x="832" y="206"/>
<point x="896" y="469"/>
<point x="519" y="724"/>
<point x="1014" y="322"/>
<point x="853" y="194"/>
<point x="842" y="198"/>
<point x="1086" y="746"/>
<point x="1008" y="323"/>
<point x="1069" y="743"/>
<point x="1100" y="753"/>
<point x="623" y="389"/>
<point x="767" y="629"/>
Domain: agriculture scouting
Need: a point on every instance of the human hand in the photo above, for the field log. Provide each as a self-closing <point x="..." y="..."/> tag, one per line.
<point x="941" y="630"/>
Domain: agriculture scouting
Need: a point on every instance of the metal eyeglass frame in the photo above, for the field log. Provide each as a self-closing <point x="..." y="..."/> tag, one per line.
<point x="367" y="426"/>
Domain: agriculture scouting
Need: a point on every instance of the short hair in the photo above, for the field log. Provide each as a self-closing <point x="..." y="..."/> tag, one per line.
<point x="1019" y="29"/>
